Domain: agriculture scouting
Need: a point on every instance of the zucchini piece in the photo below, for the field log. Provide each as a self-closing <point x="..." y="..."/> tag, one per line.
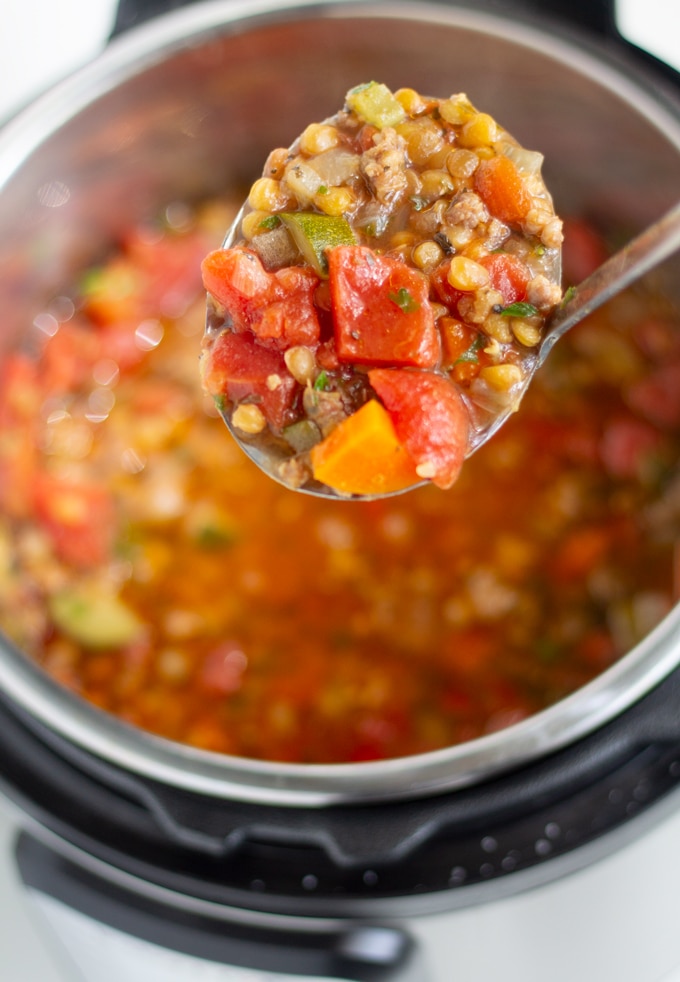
<point x="94" y="616"/>
<point x="374" y="103"/>
<point x="314" y="233"/>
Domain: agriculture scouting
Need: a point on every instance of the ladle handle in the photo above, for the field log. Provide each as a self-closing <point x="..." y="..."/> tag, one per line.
<point x="647" y="250"/>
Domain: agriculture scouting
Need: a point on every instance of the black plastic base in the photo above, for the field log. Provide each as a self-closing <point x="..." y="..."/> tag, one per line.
<point x="322" y="859"/>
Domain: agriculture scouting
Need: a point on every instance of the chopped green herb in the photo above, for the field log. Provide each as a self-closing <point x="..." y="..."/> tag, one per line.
<point x="272" y="221"/>
<point x="404" y="300"/>
<point x="322" y="189"/>
<point x="214" y="537"/>
<point x="321" y="381"/>
<point x="568" y="294"/>
<point x="471" y="353"/>
<point x="519" y="309"/>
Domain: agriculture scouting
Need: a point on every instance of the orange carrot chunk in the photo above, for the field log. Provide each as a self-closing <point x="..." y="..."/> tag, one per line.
<point x="363" y="455"/>
<point x="502" y="189"/>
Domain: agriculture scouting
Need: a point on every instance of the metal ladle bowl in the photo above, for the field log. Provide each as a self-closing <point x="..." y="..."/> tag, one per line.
<point x="656" y="243"/>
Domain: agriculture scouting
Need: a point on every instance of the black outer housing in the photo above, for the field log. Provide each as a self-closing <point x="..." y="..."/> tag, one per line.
<point x="323" y="860"/>
<point x="596" y="16"/>
<point x="339" y="860"/>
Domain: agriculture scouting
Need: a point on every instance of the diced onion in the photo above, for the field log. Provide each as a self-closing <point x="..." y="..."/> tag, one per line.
<point x="335" y="167"/>
<point x="526" y="161"/>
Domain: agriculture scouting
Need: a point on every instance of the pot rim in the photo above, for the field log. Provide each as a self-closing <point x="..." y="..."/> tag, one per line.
<point x="309" y="785"/>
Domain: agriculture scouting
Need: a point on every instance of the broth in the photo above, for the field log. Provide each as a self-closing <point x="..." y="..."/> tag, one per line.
<point x="150" y="567"/>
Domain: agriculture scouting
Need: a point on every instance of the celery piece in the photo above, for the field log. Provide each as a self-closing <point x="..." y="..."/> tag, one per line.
<point x="94" y="616"/>
<point x="375" y="104"/>
<point x="314" y="233"/>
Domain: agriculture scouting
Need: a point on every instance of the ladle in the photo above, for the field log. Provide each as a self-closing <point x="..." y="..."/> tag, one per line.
<point x="659" y="241"/>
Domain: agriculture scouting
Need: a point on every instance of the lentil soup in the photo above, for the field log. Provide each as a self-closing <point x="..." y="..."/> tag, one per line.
<point x="380" y="302"/>
<point x="150" y="567"/>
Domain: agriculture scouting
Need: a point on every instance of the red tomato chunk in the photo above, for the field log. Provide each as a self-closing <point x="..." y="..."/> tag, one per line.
<point x="430" y="418"/>
<point x="241" y="369"/>
<point x="381" y="310"/>
<point x="278" y="308"/>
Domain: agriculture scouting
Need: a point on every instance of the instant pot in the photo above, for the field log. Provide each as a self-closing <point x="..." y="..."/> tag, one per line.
<point x="151" y="860"/>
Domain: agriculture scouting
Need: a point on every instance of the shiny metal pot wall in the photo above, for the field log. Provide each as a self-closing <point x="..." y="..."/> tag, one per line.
<point x="192" y="102"/>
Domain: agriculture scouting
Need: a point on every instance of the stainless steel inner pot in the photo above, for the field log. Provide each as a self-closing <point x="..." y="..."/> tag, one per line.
<point x="191" y="103"/>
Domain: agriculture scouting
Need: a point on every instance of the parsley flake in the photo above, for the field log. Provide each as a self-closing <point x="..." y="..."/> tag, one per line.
<point x="471" y="353"/>
<point x="271" y="221"/>
<point x="519" y="309"/>
<point x="404" y="300"/>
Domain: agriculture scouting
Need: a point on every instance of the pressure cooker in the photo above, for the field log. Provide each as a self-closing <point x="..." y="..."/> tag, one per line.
<point x="318" y="871"/>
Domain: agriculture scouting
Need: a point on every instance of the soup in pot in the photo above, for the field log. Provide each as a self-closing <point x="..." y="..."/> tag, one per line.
<point x="148" y="566"/>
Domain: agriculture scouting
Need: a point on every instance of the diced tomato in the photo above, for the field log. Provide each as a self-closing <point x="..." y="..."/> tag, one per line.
<point x="222" y="669"/>
<point x="502" y="189"/>
<point x="238" y="367"/>
<point x="457" y="339"/>
<point x="171" y="266"/>
<point x="581" y="551"/>
<point x="381" y="310"/>
<point x="292" y="319"/>
<point x="277" y="307"/>
<point x="18" y="462"/>
<point x="20" y="390"/>
<point x="469" y="651"/>
<point x="508" y="274"/>
<point x="627" y="444"/>
<point x="659" y="338"/>
<point x="443" y="291"/>
<point x="118" y="341"/>
<point x="430" y="419"/>
<point x="78" y="517"/>
<point x="151" y="277"/>
<point x="583" y="251"/>
<point x="69" y="357"/>
<point x="20" y="397"/>
<point x="237" y="279"/>
<point x="327" y="356"/>
<point x="657" y="397"/>
<point x="597" y="649"/>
